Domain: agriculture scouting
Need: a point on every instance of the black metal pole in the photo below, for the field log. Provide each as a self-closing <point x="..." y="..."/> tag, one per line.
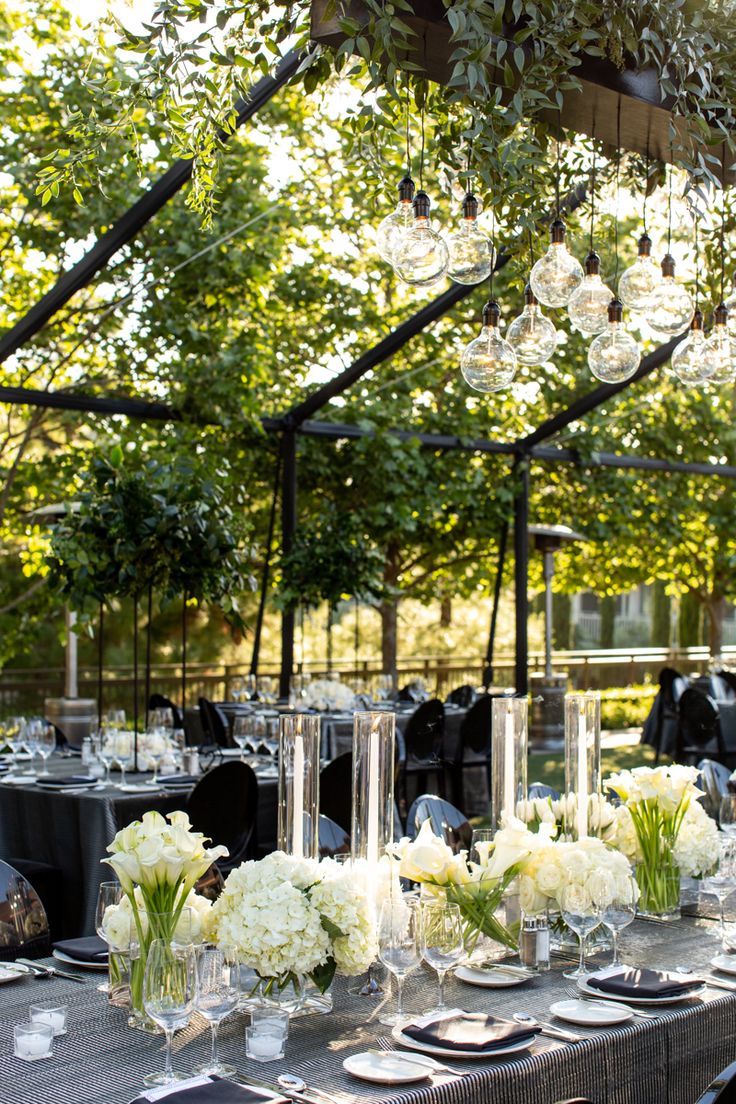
<point x="502" y="542"/>
<point x="148" y="650"/>
<point x="266" y="570"/>
<point x="288" y="529"/>
<point x="521" y="577"/>
<point x="100" y="651"/>
<point x="183" y="655"/>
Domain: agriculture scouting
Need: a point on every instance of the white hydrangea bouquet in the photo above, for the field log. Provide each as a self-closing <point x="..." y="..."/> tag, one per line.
<point x="325" y="694"/>
<point x="655" y="804"/>
<point x="477" y="888"/>
<point x="157" y="861"/>
<point x="293" y="918"/>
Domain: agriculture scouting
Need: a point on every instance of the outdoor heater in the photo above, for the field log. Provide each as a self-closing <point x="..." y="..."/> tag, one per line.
<point x="548" y="690"/>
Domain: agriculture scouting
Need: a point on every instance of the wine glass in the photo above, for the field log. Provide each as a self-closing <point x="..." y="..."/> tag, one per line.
<point x="109" y="895"/>
<point x="257" y="734"/>
<point x="124" y="754"/>
<point x="441" y="942"/>
<point x="618" y="912"/>
<point x="169" y="987"/>
<point x="107" y="752"/>
<point x="271" y="740"/>
<point x="241" y="733"/>
<point x="582" y="915"/>
<point x="480" y="845"/>
<point x="398" y="946"/>
<point x="722" y="880"/>
<point x="251" y="687"/>
<point x="14" y="728"/>
<point x="31" y="738"/>
<point x="218" y="994"/>
<point x="46" y="747"/>
<point x="727" y="815"/>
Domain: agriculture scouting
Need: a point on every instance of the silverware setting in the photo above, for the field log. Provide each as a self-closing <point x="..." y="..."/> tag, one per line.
<point x="424" y="1060"/>
<point x="45" y="972"/>
<point x="548" y="1029"/>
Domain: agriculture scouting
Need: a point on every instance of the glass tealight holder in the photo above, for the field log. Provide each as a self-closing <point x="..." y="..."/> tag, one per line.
<point x="264" y="1042"/>
<point x="33" y="1041"/>
<point x="275" y="1018"/>
<point x="52" y="1014"/>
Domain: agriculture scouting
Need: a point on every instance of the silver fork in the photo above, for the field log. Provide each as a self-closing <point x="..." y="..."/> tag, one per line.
<point x="424" y="1060"/>
<point x="574" y="992"/>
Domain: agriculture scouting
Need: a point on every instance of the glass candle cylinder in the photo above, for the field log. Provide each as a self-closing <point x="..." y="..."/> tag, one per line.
<point x="299" y="739"/>
<point x="509" y="727"/>
<point x="582" y="759"/>
<point x="373" y="788"/>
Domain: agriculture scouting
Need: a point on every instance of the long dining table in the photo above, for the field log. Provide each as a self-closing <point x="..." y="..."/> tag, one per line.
<point x="668" y="1059"/>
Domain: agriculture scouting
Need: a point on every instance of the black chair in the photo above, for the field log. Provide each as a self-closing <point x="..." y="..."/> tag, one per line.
<point x="48" y="882"/>
<point x="214" y="725"/>
<point x="24" y="926"/>
<point x="714" y="782"/>
<point x="336" y="791"/>
<point x="660" y="727"/>
<point x="464" y="696"/>
<point x="474" y="754"/>
<point x="224" y="805"/>
<point x="423" y="738"/>
<point x="158" y="701"/>
<point x="699" y="730"/>
<point x="722" y="1089"/>
<point x="333" y="840"/>
<point x="447" y="821"/>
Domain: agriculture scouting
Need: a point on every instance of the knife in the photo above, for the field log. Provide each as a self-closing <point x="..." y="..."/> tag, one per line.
<point x="51" y="971"/>
<point x="285" y="1094"/>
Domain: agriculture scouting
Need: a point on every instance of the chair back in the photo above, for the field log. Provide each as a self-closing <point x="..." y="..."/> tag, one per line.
<point x="214" y="725"/>
<point x="333" y="840"/>
<point x="159" y="701"/>
<point x="540" y="789"/>
<point x="464" y="696"/>
<point x="224" y="805"/>
<point x="447" y="821"/>
<point x="424" y="732"/>
<point x="24" y="926"/>
<point x="722" y="1089"/>
<point x="336" y="790"/>
<point x="475" y="730"/>
<point x="699" y="725"/>
<point x="714" y="781"/>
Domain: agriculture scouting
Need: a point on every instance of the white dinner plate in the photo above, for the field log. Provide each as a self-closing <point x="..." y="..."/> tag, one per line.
<point x="75" y="787"/>
<point x="591" y="1013"/>
<point x="385" y="1068"/>
<point x="61" y="957"/>
<point x="592" y="992"/>
<point x="726" y="963"/>
<point x="8" y="972"/>
<point x="488" y="979"/>
<point x="20" y="780"/>
<point x="135" y="787"/>
<point x="446" y="1052"/>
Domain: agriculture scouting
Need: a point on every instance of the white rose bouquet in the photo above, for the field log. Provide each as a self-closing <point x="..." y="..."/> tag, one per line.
<point x="597" y="872"/>
<point x="324" y="694"/>
<point x="290" y="918"/>
<point x="657" y="801"/>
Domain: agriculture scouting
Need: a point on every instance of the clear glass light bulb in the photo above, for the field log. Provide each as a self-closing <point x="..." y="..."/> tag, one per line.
<point x="557" y="274"/>
<point x="670" y="307"/>
<point x="392" y="229"/>
<point x="720" y="349"/>
<point x="489" y="363"/>
<point x="588" y="305"/>
<point x="690" y="361"/>
<point x="421" y="257"/>
<point x="730" y="306"/>
<point x="639" y="280"/>
<point x="470" y="250"/>
<point x="532" y="336"/>
<point x="614" y="355"/>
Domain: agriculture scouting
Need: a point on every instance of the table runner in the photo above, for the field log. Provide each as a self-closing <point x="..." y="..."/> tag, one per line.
<point x="666" y="1061"/>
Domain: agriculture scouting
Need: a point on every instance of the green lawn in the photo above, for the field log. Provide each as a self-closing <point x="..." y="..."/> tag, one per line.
<point x="550" y="768"/>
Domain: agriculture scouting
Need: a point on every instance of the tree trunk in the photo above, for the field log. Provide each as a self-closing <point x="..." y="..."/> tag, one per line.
<point x="446" y="611"/>
<point x="690" y="611"/>
<point x="660" y="634"/>
<point x="389" y="610"/>
<point x="715" y="609"/>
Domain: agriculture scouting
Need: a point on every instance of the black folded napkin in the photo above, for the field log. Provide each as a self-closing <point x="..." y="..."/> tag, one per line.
<point x="218" y="1091"/>
<point x="630" y="982"/>
<point x="67" y="780"/>
<point x="90" y="948"/>
<point x="177" y="779"/>
<point x="470" y="1031"/>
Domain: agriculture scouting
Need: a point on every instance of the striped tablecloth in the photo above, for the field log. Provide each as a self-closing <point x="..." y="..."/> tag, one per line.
<point x="669" y="1060"/>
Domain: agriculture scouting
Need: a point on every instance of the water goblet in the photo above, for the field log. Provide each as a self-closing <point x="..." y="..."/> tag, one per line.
<point x="169" y="988"/>
<point x="124" y="754"/>
<point x="107" y="752"/>
<point x="398" y="946"/>
<point x="721" y="881"/>
<point x="442" y="942"/>
<point x="218" y="994"/>
<point x="727" y="814"/>
<point x="241" y="733"/>
<point x="582" y="915"/>
<point x="619" y="911"/>
<point x="46" y="747"/>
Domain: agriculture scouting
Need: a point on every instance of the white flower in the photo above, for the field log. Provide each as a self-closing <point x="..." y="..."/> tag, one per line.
<point x="120" y="927"/>
<point x="157" y="853"/>
<point x="425" y="859"/>
<point x="697" y="845"/>
<point x="324" y="694"/>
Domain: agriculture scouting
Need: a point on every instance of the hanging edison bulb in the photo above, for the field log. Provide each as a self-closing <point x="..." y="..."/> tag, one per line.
<point x="690" y="361"/>
<point x="730" y="306"/>
<point x="488" y="363"/>
<point x="639" y="280"/>
<point x="421" y="257"/>
<point x="557" y="274"/>
<point x="391" y="230"/>
<point x="720" y="348"/>
<point x="670" y="307"/>
<point x="532" y="336"/>
<point x="588" y="305"/>
<point x="470" y="250"/>
<point x="614" y="355"/>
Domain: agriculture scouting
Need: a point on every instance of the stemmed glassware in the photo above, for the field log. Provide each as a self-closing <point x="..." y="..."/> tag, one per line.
<point x="218" y="994"/>
<point x="169" y="989"/>
<point x="107" y="751"/>
<point x="727" y="815"/>
<point x="109" y="893"/>
<point x="722" y="880"/>
<point x="618" y="912"/>
<point x="123" y="754"/>
<point x="399" y="946"/>
<point x="441" y="942"/>
<point x="14" y="731"/>
<point x="241" y="733"/>
<point x="46" y="747"/>
<point x="31" y="738"/>
<point x="582" y="915"/>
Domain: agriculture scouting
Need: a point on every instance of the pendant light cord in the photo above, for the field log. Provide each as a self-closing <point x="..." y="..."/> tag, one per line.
<point x="669" y="206"/>
<point x="421" y="155"/>
<point x="646" y="187"/>
<point x="697" y="263"/>
<point x="723" y="220"/>
<point x="557" y="173"/>
<point x="469" y="184"/>
<point x="618" y="189"/>
<point x="592" y="193"/>
<point x="493" y="252"/>
<point x="408" y="139"/>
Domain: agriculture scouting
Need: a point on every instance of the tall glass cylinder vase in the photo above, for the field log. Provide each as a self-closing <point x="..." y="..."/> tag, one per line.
<point x="299" y="740"/>
<point x="582" y="761"/>
<point x="373" y="789"/>
<point x="509" y="733"/>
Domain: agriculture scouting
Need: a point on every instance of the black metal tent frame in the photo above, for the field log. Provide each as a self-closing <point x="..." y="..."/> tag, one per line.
<point x="300" y="421"/>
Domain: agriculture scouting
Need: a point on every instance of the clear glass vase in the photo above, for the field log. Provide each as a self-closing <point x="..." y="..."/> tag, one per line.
<point x="298" y="996"/>
<point x="118" y="975"/>
<point x="659" y="888"/>
<point x="176" y="927"/>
